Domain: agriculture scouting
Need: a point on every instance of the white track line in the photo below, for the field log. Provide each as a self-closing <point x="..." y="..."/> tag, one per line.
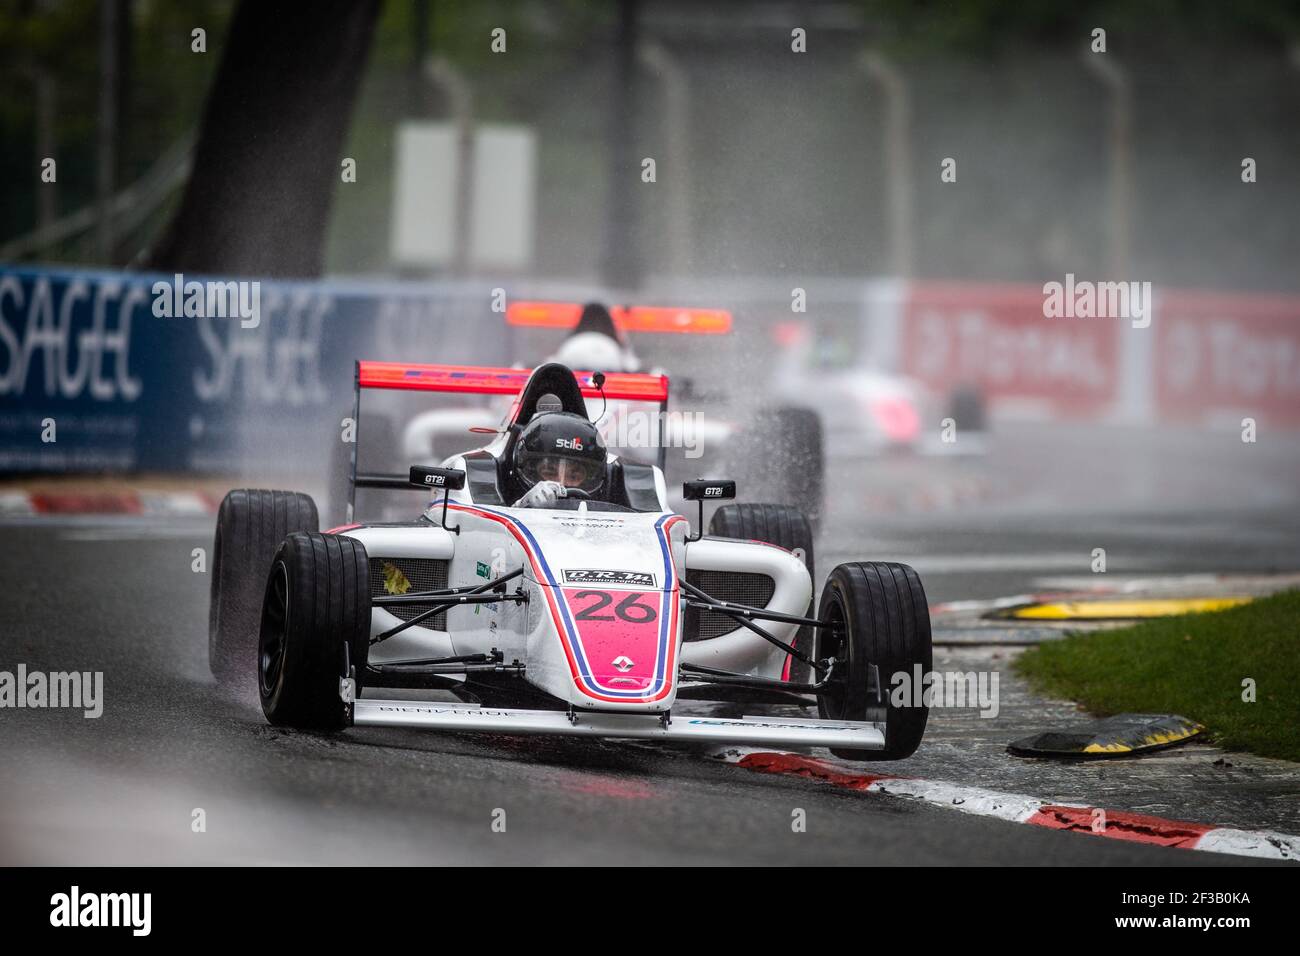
<point x="1022" y="808"/>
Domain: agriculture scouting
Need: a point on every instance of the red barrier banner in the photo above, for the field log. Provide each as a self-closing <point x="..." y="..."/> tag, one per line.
<point x="997" y="338"/>
<point x="1227" y="356"/>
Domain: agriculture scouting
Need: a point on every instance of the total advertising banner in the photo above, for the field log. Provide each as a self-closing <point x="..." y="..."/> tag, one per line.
<point x="1185" y="357"/>
<point x="1228" y="356"/>
<point x="996" y="338"/>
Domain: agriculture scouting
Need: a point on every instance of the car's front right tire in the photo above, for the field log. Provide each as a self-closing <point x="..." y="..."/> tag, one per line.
<point x="315" y="629"/>
<point x="786" y="527"/>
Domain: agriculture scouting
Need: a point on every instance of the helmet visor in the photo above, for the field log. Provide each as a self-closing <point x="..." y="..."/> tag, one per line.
<point x="580" y="473"/>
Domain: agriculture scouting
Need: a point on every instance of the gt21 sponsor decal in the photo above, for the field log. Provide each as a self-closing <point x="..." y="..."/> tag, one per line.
<point x="636" y="579"/>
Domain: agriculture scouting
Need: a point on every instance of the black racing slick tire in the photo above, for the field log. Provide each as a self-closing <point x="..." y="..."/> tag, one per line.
<point x="251" y="523"/>
<point x="782" y="457"/>
<point x="878" y="615"/>
<point x="966" y="409"/>
<point x="799" y="435"/>
<point x="786" y="527"/>
<point x="315" y="628"/>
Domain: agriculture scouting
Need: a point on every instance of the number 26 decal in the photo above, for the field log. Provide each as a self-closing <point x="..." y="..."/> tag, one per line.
<point x="629" y="609"/>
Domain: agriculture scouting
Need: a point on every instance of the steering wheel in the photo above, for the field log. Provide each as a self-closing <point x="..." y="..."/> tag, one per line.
<point x="577" y="493"/>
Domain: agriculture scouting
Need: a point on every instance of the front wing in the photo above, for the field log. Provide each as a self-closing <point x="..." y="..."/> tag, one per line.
<point x="751" y="731"/>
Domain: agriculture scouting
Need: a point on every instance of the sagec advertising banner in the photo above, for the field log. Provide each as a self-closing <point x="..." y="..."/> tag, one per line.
<point x="111" y="371"/>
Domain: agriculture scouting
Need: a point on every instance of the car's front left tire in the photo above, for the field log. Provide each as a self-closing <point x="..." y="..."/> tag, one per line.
<point x="786" y="527"/>
<point x="315" y="629"/>
<point x="875" y="613"/>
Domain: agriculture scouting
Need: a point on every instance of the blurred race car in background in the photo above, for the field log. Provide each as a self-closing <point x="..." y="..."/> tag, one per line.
<point x="865" y="410"/>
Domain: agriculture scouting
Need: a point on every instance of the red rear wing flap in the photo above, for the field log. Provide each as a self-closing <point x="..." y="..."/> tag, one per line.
<point x="632" y="318"/>
<point x="486" y="380"/>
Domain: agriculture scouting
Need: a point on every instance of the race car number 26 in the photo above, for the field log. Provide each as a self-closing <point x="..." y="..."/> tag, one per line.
<point x="629" y="609"/>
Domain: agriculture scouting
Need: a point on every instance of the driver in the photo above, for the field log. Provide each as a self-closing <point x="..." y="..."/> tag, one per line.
<point x="557" y="452"/>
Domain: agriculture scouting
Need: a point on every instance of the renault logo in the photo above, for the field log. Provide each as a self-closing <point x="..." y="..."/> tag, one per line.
<point x="623" y="663"/>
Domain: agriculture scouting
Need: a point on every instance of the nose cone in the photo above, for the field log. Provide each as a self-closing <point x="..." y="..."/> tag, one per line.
<point x="623" y="636"/>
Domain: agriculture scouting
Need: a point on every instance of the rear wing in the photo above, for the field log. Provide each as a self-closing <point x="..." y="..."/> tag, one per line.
<point x="486" y="380"/>
<point x="630" y="318"/>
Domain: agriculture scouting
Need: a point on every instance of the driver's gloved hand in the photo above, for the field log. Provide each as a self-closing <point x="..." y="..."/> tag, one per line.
<point x="542" y="495"/>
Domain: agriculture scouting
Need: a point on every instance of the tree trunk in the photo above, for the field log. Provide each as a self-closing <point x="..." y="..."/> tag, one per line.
<point x="268" y="153"/>
<point x="621" y="265"/>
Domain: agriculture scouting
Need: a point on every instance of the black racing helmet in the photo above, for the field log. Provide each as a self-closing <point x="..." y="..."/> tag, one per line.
<point x="563" y="447"/>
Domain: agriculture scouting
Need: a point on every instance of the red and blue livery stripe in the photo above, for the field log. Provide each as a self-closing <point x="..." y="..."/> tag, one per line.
<point x="584" y="674"/>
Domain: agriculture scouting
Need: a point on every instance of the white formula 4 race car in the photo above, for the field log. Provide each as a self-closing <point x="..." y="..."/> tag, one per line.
<point x="590" y="616"/>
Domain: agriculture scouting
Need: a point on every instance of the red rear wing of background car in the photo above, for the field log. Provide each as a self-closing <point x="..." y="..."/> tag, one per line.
<point x="632" y="318"/>
<point x="487" y="380"/>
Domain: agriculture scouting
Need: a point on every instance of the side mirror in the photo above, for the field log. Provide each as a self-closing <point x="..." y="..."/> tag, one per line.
<point x="702" y="490"/>
<point x="440" y="479"/>
<point x="705" y="490"/>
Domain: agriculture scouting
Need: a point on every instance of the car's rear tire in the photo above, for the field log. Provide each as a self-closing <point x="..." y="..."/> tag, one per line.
<point x="317" y="604"/>
<point x="782" y="457"/>
<point x="966" y="409"/>
<point x="879" y="615"/>
<point x="251" y="523"/>
<point x="785" y="527"/>
<point x="375" y="439"/>
<point x="803" y="460"/>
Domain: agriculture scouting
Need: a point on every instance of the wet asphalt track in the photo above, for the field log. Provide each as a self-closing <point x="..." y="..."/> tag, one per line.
<point x="119" y="596"/>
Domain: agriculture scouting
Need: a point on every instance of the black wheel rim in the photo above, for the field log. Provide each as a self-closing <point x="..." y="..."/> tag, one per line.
<point x="833" y="644"/>
<point x="275" y="630"/>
